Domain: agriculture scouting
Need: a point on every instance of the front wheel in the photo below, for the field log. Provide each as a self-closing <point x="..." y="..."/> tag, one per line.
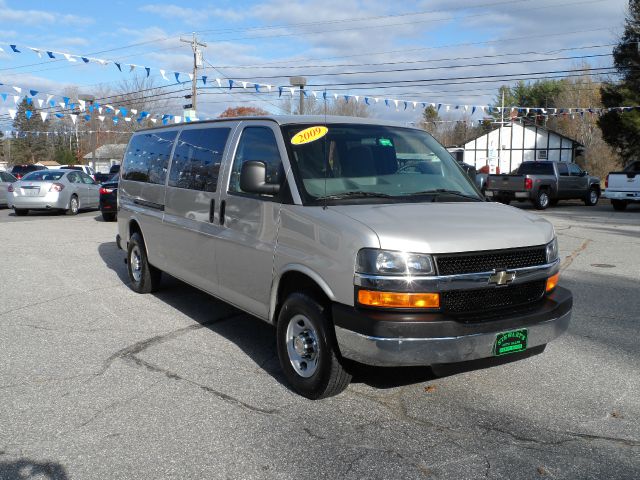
<point x="618" y="205"/>
<point x="74" y="206"/>
<point x="542" y="200"/>
<point x="307" y="349"/>
<point x="20" y="212"/>
<point x="145" y="278"/>
<point x="592" y="197"/>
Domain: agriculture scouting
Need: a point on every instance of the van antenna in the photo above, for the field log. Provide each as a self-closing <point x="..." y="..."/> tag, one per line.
<point x="324" y="152"/>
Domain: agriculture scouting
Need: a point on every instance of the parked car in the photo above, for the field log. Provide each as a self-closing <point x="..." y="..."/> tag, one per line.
<point x="20" y="171"/>
<point x="82" y="168"/>
<point x="64" y="190"/>
<point x="545" y="183"/>
<point x="307" y="223"/>
<point x="109" y="199"/>
<point x="623" y="188"/>
<point x="6" y="179"/>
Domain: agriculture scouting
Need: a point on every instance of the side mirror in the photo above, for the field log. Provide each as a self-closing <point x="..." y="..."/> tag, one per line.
<point x="253" y="177"/>
<point x="584" y="173"/>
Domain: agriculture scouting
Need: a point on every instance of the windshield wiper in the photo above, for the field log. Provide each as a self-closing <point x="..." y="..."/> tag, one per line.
<point x="443" y="191"/>
<point x="356" y="194"/>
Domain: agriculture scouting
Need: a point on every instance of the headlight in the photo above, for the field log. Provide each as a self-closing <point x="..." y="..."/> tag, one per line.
<point x="552" y="250"/>
<point x="373" y="261"/>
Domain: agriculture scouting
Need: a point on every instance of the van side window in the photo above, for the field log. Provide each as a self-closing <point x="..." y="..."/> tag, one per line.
<point x="197" y="158"/>
<point x="256" y="143"/>
<point x="147" y="157"/>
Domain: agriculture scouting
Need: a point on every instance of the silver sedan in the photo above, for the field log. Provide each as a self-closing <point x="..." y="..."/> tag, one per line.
<point x="64" y="190"/>
<point x="6" y="179"/>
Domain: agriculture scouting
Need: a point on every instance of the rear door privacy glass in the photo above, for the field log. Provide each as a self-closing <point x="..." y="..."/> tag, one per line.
<point x="147" y="157"/>
<point x="197" y="158"/>
<point x="536" y="168"/>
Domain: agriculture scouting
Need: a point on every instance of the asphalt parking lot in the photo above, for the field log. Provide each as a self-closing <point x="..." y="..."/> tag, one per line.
<point x="99" y="382"/>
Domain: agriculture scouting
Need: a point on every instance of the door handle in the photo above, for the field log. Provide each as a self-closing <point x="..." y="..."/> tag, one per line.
<point x="223" y="204"/>
<point x="212" y="210"/>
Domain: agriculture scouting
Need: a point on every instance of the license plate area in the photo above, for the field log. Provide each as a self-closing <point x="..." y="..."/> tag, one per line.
<point x="510" y="342"/>
<point x="31" y="192"/>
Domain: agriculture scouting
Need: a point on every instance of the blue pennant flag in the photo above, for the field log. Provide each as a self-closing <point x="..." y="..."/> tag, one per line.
<point x="4" y="97"/>
<point x="28" y="114"/>
<point x="366" y="100"/>
<point x="72" y="106"/>
<point x="204" y="79"/>
<point x="473" y="110"/>
<point x="85" y="59"/>
<point x="386" y="102"/>
<point x="439" y="106"/>
<point x="405" y="105"/>
<point x="60" y="115"/>
<point x="346" y="99"/>
<point x="148" y="70"/>
<point x="115" y="120"/>
<point x="33" y="92"/>
<point x="257" y="87"/>
<point x="87" y="117"/>
<point x="177" y="75"/>
<point x="165" y="120"/>
<point x="324" y="94"/>
<point x="29" y="100"/>
<point x="165" y="116"/>
<point x="117" y="65"/>
<point x="123" y="111"/>
<point x="52" y="103"/>
<point x="144" y="115"/>
<point x="304" y="92"/>
<point x="14" y="48"/>
<point x="280" y="92"/>
<point x="66" y="100"/>
<point x="230" y="84"/>
<point x="51" y="55"/>
<point x="424" y="105"/>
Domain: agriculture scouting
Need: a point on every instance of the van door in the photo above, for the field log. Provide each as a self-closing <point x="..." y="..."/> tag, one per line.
<point x="250" y="222"/>
<point x="190" y="219"/>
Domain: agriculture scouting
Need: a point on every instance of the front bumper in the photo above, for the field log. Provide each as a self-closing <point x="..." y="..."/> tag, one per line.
<point x="52" y="200"/>
<point x="626" y="196"/>
<point x="397" y="339"/>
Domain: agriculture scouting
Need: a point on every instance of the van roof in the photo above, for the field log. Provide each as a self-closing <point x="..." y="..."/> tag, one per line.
<point x="292" y="120"/>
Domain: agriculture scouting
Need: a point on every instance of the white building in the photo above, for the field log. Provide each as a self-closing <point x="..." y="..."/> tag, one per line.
<point x="509" y="145"/>
<point x="105" y="156"/>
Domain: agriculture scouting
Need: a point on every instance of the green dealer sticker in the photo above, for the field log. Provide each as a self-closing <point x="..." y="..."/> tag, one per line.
<point x="510" y="342"/>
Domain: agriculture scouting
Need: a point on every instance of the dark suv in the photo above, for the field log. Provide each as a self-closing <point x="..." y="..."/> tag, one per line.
<point x="20" y="171"/>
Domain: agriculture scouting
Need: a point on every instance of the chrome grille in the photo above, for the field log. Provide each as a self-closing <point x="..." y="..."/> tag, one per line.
<point x="487" y="261"/>
<point x="493" y="298"/>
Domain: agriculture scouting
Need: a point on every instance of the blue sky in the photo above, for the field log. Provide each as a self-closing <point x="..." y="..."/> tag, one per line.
<point x="326" y="41"/>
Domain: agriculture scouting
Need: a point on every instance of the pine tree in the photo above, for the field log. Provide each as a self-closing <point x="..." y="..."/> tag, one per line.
<point x="30" y="146"/>
<point x="621" y="129"/>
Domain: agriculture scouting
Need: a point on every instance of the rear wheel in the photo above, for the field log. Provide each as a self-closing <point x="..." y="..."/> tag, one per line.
<point x="618" y="205"/>
<point x="592" y="197"/>
<point x="542" y="200"/>
<point x="307" y="348"/>
<point x="108" y="217"/>
<point x="74" y="205"/>
<point x="20" y="212"/>
<point x="144" y="277"/>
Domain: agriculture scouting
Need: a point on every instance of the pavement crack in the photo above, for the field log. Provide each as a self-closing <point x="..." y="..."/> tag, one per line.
<point x="314" y="435"/>
<point x="566" y="263"/>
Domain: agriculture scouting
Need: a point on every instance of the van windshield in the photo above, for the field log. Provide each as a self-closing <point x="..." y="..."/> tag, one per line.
<point x="373" y="164"/>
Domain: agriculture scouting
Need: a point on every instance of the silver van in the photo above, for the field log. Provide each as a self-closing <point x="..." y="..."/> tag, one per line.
<point x="359" y="240"/>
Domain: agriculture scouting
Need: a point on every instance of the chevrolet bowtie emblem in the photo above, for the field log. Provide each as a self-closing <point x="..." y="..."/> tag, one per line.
<point x="502" y="278"/>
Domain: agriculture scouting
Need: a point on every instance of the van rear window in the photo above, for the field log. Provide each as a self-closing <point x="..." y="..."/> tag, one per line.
<point x="147" y="157"/>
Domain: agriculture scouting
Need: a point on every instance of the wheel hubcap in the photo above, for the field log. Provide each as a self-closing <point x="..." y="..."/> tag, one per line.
<point x="594" y="196"/>
<point x="136" y="264"/>
<point x="302" y="346"/>
<point x="544" y="199"/>
<point x="74" y="204"/>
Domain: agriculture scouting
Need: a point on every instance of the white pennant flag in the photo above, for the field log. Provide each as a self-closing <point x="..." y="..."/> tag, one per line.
<point x="396" y="102"/>
<point x="100" y="61"/>
<point x="269" y="87"/>
<point x="162" y="72"/>
<point x="415" y="104"/>
<point x="292" y="90"/>
<point x="244" y="85"/>
<point x="131" y="68"/>
<point x="447" y="107"/>
<point x="16" y="99"/>
<point x="127" y="119"/>
<point x="314" y="93"/>
<point x="101" y="118"/>
<point x="134" y="111"/>
<point x="466" y="108"/>
<point x="62" y="104"/>
<point x="37" y="52"/>
<point x="69" y="57"/>
<point x="432" y="105"/>
<point x="40" y="102"/>
<point x="482" y="108"/>
<point x="376" y="99"/>
<point x="357" y="97"/>
<point x="44" y="116"/>
<point x="49" y="98"/>
<point x="82" y="105"/>
<point x="219" y="82"/>
<point x="73" y="118"/>
<point x="190" y="76"/>
<point x="335" y="96"/>
<point x="100" y="110"/>
<point x="153" y="120"/>
<point x="17" y="89"/>
<point x="177" y="119"/>
<point x="12" y="114"/>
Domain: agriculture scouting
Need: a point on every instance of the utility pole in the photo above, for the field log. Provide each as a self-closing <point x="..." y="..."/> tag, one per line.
<point x="197" y="63"/>
<point x="299" y="82"/>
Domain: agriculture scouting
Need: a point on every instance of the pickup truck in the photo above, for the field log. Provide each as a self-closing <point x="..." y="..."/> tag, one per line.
<point x="623" y="187"/>
<point x="544" y="183"/>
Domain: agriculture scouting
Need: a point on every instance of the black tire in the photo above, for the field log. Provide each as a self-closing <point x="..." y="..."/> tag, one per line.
<point x="74" y="205"/>
<point x="145" y="278"/>
<point x="618" y="205"/>
<point x="553" y="202"/>
<point x="306" y="339"/>
<point x="20" y="212"/>
<point x="542" y="199"/>
<point x="593" y="195"/>
<point x="108" y="217"/>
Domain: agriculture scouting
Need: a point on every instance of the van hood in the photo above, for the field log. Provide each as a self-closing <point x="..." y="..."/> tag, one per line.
<point x="450" y="227"/>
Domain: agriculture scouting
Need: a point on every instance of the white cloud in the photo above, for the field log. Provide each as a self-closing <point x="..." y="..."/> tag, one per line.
<point x="40" y="18"/>
<point x="190" y="15"/>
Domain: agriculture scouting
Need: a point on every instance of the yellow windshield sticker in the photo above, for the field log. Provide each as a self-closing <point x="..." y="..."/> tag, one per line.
<point x="309" y="135"/>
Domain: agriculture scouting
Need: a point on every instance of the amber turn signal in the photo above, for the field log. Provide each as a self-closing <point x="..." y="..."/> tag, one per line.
<point x="372" y="298"/>
<point x="552" y="282"/>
